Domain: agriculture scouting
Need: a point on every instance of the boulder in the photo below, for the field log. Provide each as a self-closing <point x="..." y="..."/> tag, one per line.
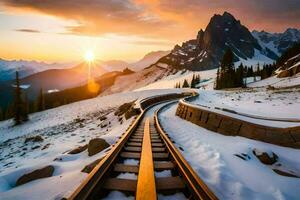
<point x="36" y="174"/>
<point x="88" y="168"/>
<point x="283" y="74"/>
<point x="96" y="145"/>
<point x="78" y="149"/>
<point x="265" y="158"/>
<point x="37" y="138"/>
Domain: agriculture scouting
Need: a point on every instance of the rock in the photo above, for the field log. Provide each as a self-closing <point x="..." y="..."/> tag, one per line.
<point x="36" y="147"/>
<point x="96" y="145"/>
<point x="36" y="174"/>
<point x="78" y="149"/>
<point x="102" y="118"/>
<point x="37" y="138"/>
<point x="282" y="173"/>
<point x="270" y="87"/>
<point x="103" y="125"/>
<point x="46" y="146"/>
<point x="78" y="120"/>
<point x="88" y="168"/>
<point x="283" y="74"/>
<point x="265" y="158"/>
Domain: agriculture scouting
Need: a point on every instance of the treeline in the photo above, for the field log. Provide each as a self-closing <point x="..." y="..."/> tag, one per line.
<point x="228" y="76"/>
<point x="45" y="101"/>
<point x="195" y="80"/>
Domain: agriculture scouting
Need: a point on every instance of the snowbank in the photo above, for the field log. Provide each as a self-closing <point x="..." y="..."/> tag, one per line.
<point x="212" y="156"/>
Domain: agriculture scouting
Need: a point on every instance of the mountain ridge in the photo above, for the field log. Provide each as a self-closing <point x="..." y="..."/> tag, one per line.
<point x="222" y="32"/>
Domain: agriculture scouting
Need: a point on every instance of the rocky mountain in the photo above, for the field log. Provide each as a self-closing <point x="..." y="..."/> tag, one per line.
<point x="277" y="42"/>
<point x="26" y="68"/>
<point x="148" y="59"/>
<point x="289" y="63"/>
<point x="223" y="32"/>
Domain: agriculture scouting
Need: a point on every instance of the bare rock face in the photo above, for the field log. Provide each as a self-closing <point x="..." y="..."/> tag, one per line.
<point x="207" y="49"/>
<point x="96" y="145"/>
<point x="78" y="149"/>
<point x="36" y="174"/>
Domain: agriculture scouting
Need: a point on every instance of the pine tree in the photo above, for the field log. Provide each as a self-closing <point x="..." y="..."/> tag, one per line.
<point x="193" y="82"/>
<point x="18" y="102"/>
<point x="40" y="101"/>
<point x="218" y="83"/>
<point x="20" y="112"/>
<point x="226" y="78"/>
<point x="185" y="84"/>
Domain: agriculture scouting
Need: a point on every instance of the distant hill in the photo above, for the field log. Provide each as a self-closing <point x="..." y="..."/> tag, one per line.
<point x="148" y="59"/>
<point x="26" y="68"/>
<point x="52" y="79"/>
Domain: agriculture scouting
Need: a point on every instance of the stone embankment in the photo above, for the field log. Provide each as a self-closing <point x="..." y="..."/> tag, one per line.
<point x="226" y="125"/>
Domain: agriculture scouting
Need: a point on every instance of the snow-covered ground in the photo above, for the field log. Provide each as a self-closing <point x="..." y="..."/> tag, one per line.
<point x="257" y="102"/>
<point x="62" y="129"/>
<point x="207" y="79"/>
<point x="258" y="58"/>
<point x="214" y="157"/>
<point x="278" y="82"/>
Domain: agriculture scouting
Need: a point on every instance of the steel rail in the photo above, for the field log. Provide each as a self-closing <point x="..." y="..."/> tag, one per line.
<point x="197" y="187"/>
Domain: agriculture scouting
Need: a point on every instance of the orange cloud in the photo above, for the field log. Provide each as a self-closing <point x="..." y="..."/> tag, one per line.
<point x="162" y="18"/>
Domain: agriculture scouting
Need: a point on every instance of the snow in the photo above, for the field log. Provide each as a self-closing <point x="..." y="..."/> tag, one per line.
<point x="212" y="157"/>
<point x="163" y="65"/>
<point x="277" y="82"/>
<point x="256" y="102"/>
<point x="136" y="80"/>
<point x="207" y="78"/>
<point x="52" y="91"/>
<point x="116" y="195"/>
<point x="226" y="29"/>
<point x="258" y="58"/>
<point x="131" y="176"/>
<point x="177" y="196"/>
<point x="61" y="131"/>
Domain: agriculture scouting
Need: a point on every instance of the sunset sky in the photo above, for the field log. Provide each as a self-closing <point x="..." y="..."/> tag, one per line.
<point x="62" y="30"/>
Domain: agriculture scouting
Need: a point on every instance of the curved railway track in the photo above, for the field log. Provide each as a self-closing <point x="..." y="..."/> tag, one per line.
<point x="144" y="163"/>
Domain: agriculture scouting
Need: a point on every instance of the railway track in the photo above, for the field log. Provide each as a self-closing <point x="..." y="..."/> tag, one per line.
<point x="144" y="164"/>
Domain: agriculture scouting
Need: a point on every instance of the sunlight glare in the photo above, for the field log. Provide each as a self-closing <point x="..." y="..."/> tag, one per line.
<point x="89" y="56"/>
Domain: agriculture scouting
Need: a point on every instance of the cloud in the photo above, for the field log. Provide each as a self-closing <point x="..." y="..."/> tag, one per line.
<point x="28" y="30"/>
<point x="98" y="16"/>
<point x="168" y="19"/>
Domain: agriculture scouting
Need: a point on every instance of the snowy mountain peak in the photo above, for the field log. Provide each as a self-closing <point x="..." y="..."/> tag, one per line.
<point x="205" y="52"/>
<point x="277" y="42"/>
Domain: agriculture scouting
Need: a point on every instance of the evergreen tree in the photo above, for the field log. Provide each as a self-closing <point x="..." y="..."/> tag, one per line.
<point x="226" y="78"/>
<point x="20" y="113"/>
<point x="40" y="104"/>
<point x="193" y="82"/>
<point x="218" y="84"/>
<point x="185" y="84"/>
<point x="18" y="102"/>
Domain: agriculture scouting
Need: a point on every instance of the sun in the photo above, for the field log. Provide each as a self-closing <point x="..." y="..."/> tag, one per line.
<point x="89" y="56"/>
